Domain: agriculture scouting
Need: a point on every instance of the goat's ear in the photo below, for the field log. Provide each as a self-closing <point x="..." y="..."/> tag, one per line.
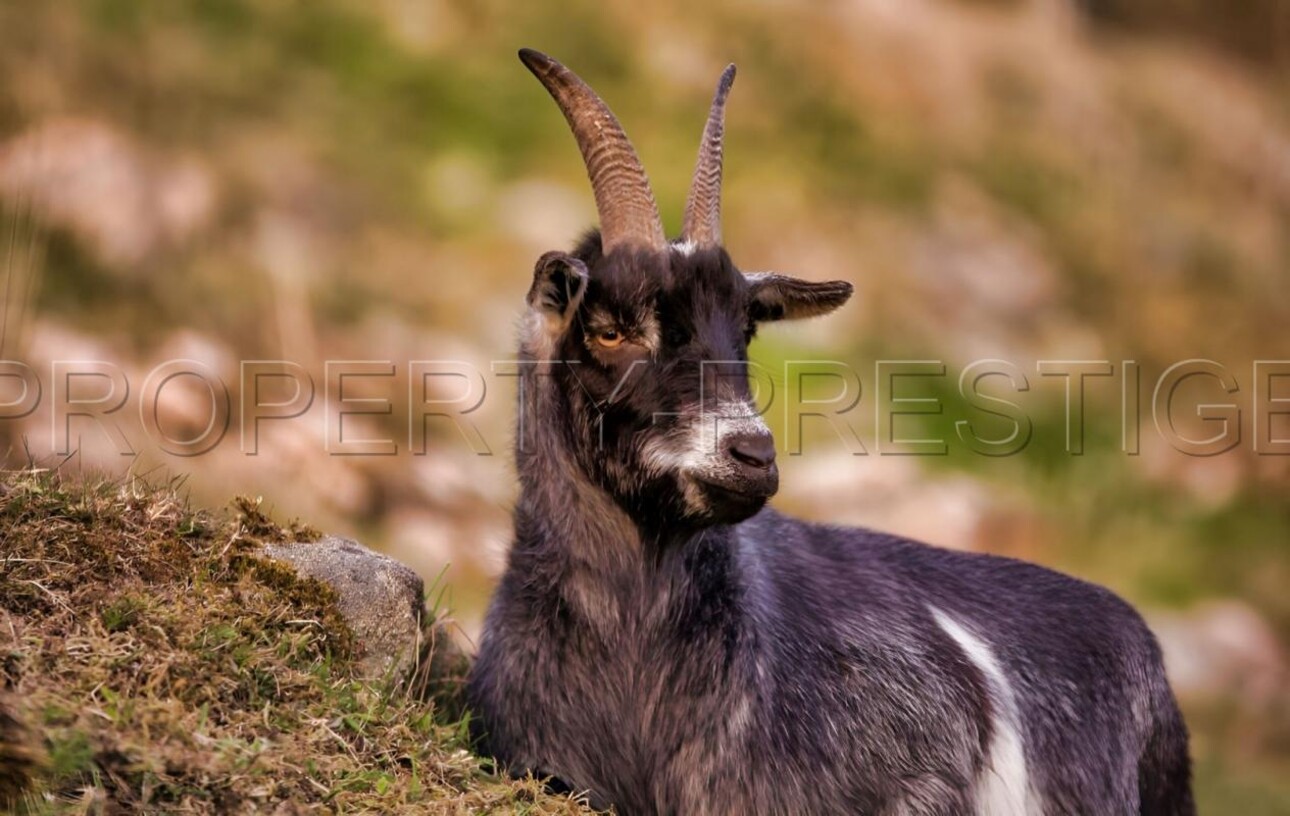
<point x="559" y="282"/>
<point x="779" y="297"/>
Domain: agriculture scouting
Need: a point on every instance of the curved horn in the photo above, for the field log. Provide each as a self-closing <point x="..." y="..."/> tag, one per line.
<point x="628" y="214"/>
<point x="702" y="223"/>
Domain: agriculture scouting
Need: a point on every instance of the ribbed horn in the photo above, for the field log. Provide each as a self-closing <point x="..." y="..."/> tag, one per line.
<point x="702" y="224"/>
<point x="624" y="201"/>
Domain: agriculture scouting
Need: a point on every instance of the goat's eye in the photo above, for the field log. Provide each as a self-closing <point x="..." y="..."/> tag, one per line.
<point x="609" y="338"/>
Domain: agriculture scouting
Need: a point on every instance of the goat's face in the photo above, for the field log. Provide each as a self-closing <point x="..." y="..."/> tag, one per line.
<point x="650" y="339"/>
<point x="651" y="353"/>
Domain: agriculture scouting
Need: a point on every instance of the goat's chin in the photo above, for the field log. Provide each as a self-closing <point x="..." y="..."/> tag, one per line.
<point x="713" y="502"/>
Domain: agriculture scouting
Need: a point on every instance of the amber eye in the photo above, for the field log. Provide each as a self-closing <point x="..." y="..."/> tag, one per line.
<point x="610" y="338"/>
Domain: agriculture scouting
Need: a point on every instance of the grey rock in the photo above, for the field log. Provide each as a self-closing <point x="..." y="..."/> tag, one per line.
<point x="379" y="598"/>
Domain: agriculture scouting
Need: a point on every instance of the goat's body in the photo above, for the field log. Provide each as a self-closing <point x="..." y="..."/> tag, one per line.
<point x="661" y="644"/>
<point x="781" y="667"/>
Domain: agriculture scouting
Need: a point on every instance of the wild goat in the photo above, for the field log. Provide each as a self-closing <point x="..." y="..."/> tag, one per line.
<point x="665" y="643"/>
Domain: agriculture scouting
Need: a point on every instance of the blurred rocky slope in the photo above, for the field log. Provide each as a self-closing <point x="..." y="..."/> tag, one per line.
<point x="1021" y="180"/>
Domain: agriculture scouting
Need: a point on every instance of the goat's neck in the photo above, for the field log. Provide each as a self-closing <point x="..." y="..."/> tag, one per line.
<point x="571" y="537"/>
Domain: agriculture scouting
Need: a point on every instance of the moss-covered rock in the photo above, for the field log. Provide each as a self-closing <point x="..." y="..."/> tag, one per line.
<point x="380" y="599"/>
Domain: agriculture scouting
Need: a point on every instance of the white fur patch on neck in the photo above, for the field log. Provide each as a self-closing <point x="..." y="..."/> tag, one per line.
<point x="537" y="334"/>
<point x="684" y="247"/>
<point x="1004" y="786"/>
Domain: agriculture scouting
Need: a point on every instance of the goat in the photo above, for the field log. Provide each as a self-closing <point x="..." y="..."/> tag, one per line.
<point x="664" y="643"/>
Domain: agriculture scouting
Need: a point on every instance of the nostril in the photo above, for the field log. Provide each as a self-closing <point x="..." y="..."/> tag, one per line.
<point x="757" y="451"/>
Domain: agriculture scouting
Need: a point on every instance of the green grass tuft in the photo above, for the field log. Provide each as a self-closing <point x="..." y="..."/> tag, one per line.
<point x="152" y="661"/>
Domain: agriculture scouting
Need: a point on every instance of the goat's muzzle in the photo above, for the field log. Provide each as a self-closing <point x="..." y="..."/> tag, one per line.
<point x="749" y="477"/>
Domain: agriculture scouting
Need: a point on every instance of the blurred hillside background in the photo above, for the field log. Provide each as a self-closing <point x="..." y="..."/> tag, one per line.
<point x="1025" y="180"/>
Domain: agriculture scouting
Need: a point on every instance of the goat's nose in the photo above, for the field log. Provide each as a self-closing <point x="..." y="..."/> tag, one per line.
<point x="756" y="451"/>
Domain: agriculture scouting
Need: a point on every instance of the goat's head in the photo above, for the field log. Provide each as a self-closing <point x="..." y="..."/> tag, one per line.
<point x="655" y="333"/>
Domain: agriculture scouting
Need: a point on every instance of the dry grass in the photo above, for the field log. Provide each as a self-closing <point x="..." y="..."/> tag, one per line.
<point x="151" y="661"/>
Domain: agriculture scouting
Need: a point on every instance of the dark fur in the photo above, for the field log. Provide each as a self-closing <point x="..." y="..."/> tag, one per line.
<point x="737" y="661"/>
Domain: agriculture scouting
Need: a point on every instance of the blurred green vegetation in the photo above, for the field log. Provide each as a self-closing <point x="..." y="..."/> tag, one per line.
<point x="1029" y="179"/>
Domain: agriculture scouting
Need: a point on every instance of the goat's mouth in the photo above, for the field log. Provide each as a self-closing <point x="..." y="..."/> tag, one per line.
<point x="729" y="499"/>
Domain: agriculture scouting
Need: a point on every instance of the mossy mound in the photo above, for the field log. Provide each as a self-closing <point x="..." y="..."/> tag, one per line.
<point x="151" y="660"/>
